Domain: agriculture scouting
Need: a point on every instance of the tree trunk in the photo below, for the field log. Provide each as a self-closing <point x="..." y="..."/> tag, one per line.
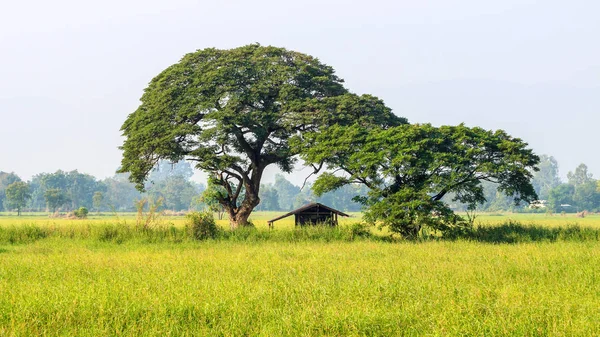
<point x="238" y="217"/>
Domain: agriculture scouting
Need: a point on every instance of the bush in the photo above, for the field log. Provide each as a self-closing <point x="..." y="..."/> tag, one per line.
<point x="359" y="230"/>
<point x="201" y="225"/>
<point x="81" y="213"/>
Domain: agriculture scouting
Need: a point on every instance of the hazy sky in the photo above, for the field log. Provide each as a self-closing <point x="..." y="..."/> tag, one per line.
<point x="71" y="71"/>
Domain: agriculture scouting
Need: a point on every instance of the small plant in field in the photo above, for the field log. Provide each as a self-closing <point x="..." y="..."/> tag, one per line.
<point x="359" y="230"/>
<point x="81" y="213"/>
<point x="151" y="217"/>
<point x="201" y="225"/>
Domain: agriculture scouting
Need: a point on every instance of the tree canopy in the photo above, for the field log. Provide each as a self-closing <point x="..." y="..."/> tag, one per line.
<point x="17" y="195"/>
<point x="5" y="180"/>
<point x="234" y="112"/>
<point x="55" y="198"/>
<point x="409" y="169"/>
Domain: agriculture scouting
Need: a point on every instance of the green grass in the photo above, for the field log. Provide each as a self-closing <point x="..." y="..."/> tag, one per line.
<point x="101" y="278"/>
<point x="554" y="220"/>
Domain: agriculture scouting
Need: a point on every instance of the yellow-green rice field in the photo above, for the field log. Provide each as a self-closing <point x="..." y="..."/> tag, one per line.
<point x="103" y="277"/>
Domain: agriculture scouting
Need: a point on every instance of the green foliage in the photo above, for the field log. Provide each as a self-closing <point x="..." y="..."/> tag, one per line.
<point x="287" y="192"/>
<point x="515" y="232"/>
<point x="410" y="168"/>
<point x="211" y="197"/>
<point x="78" y="188"/>
<point x="580" y="176"/>
<point x="201" y="225"/>
<point x="177" y="192"/>
<point x="586" y="196"/>
<point x="269" y="198"/>
<point x="97" y="199"/>
<point x="5" y="180"/>
<point x="561" y="195"/>
<point x="55" y="198"/>
<point x="164" y="170"/>
<point x="408" y="210"/>
<point x="234" y="112"/>
<point x="17" y="195"/>
<point x="81" y="212"/>
<point x="121" y="193"/>
<point x="546" y="178"/>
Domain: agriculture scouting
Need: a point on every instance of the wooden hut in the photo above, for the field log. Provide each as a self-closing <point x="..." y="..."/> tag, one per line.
<point x="312" y="214"/>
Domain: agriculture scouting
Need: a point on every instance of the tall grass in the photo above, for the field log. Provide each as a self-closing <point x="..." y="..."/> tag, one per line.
<point x="509" y="232"/>
<point x="120" y="233"/>
<point x="97" y="278"/>
<point x="59" y="287"/>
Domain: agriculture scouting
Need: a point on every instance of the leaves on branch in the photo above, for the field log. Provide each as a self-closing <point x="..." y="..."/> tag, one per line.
<point x="410" y="168"/>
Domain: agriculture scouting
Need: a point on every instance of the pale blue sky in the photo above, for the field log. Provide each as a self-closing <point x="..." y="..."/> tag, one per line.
<point x="71" y="71"/>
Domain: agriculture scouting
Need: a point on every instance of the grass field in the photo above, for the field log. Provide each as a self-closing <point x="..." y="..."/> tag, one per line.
<point x="77" y="280"/>
<point x="260" y="219"/>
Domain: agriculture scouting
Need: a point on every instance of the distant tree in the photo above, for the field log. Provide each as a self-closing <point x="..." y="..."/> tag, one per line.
<point x="233" y="113"/>
<point x="37" y="201"/>
<point x="5" y="180"/>
<point x="304" y="196"/>
<point x="561" y="195"/>
<point x="56" y="180"/>
<point x="55" y="198"/>
<point x="177" y="191"/>
<point x="503" y="202"/>
<point x="287" y="192"/>
<point x="547" y="177"/>
<point x="165" y="169"/>
<point x="17" y="195"/>
<point x="409" y="169"/>
<point x="211" y="198"/>
<point x="586" y="196"/>
<point x="81" y="188"/>
<point x="120" y="193"/>
<point x="343" y="197"/>
<point x="580" y="176"/>
<point x="97" y="199"/>
<point x="269" y="199"/>
<point x="78" y="187"/>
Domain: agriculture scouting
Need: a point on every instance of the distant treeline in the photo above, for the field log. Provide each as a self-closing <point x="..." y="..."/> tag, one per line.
<point x="581" y="192"/>
<point x="170" y="183"/>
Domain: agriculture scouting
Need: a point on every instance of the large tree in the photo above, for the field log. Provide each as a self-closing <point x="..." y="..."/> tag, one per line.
<point x="233" y="113"/>
<point x="55" y="198"/>
<point x="17" y="195"/>
<point x="409" y="169"/>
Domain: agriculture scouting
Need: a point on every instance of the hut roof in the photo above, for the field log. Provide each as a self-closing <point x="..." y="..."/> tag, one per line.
<point x="307" y="207"/>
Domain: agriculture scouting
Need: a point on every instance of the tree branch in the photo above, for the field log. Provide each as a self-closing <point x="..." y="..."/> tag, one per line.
<point x="315" y="171"/>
